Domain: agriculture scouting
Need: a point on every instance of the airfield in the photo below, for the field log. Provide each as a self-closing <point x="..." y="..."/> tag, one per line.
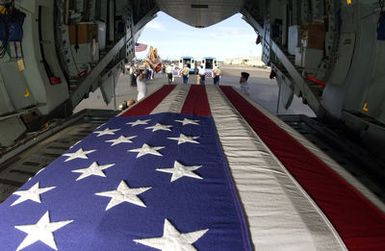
<point x="263" y="90"/>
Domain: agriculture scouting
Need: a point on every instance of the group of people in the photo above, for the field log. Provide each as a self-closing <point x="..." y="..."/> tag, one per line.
<point x="134" y="72"/>
<point x="185" y="74"/>
<point x="215" y="74"/>
<point x="140" y="74"/>
<point x="153" y="64"/>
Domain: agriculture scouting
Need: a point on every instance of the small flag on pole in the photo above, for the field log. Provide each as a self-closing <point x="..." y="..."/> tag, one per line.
<point x="140" y="47"/>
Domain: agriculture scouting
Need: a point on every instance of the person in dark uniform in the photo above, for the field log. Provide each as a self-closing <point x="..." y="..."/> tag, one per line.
<point x="244" y="84"/>
<point x="168" y="71"/>
<point x="216" y="74"/>
<point x="133" y="75"/>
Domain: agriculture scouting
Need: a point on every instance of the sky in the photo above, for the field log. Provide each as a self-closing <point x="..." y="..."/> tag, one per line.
<point x="230" y="38"/>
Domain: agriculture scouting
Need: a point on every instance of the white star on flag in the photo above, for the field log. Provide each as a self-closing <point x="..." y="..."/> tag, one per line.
<point x="31" y="194"/>
<point x="173" y="240"/>
<point x="179" y="171"/>
<point x="139" y="122"/>
<point x="106" y="131"/>
<point x="124" y="194"/>
<point x="121" y="140"/>
<point x="146" y="149"/>
<point x="93" y="169"/>
<point x="41" y="231"/>
<point x="185" y="139"/>
<point x="79" y="154"/>
<point x="187" y="121"/>
<point x="159" y="127"/>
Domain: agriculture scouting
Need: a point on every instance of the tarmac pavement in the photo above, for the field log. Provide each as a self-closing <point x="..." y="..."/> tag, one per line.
<point x="263" y="90"/>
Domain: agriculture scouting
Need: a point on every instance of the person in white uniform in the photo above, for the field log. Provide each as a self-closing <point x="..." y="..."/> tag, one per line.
<point x="202" y="75"/>
<point x="169" y="73"/>
<point x="141" y="84"/>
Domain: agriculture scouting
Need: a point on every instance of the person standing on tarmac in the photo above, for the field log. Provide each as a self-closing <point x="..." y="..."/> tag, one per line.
<point x="244" y="84"/>
<point x="216" y="74"/>
<point x="141" y="84"/>
<point x="133" y="74"/>
<point x="168" y="71"/>
<point x="202" y="75"/>
<point x="185" y="74"/>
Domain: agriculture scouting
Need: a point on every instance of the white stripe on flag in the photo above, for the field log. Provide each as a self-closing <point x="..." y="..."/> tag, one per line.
<point x="174" y="101"/>
<point x="281" y="216"/>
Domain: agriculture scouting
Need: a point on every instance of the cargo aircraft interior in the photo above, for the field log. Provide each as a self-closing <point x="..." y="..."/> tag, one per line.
<point x="329" y="53"/>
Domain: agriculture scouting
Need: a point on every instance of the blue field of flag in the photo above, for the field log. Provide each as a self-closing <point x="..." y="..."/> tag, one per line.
<point x="156" y="182"/>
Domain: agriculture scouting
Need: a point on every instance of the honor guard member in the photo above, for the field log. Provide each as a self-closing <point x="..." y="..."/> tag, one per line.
<point x="202" y="75"/>
<point x="185" y="74"/>
<point x="168" y="71"/>
<point x="141" y="84"/>
<point x="216" y="75"/>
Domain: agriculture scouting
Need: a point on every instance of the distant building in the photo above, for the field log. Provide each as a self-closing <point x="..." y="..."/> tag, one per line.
<point x="247" y="61"/>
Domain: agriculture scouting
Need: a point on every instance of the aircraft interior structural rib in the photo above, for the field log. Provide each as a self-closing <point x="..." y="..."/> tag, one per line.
<point x="329" y="53"/>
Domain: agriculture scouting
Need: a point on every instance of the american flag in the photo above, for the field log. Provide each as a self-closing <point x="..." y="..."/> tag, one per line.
<point x="139" y="47"/>
<point x="185" y="170"/>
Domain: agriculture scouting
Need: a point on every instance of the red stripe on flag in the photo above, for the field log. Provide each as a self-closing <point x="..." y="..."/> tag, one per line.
<point x="148" y="105"/>
<point x="360" y="224"/>
<point x="197" y="102"/>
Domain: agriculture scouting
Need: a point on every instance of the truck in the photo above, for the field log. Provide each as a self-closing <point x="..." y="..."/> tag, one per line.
<point x="208" y="64"/>
<point x="190" y="62"/>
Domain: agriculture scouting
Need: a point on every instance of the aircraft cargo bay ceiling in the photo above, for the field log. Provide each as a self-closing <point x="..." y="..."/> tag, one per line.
<point x="200" y="13"/>
<point x="329" y="53"/>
